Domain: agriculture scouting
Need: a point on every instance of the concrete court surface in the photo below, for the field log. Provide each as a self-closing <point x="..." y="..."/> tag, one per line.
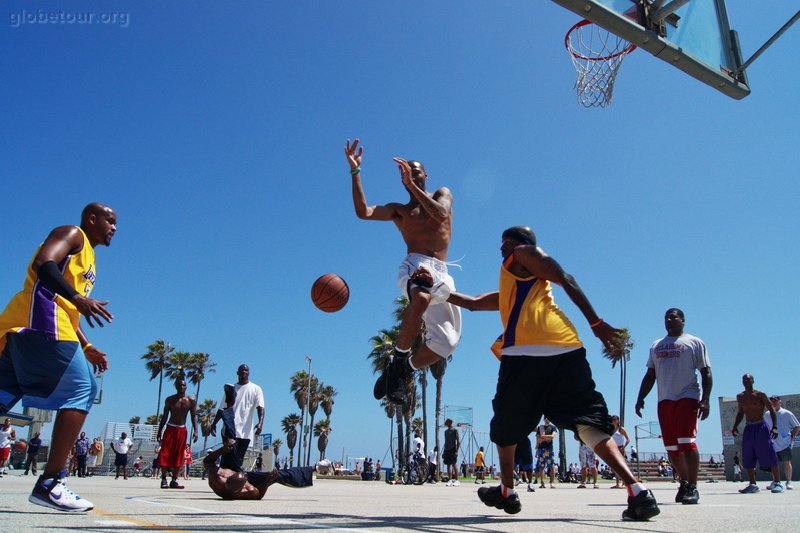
<point x="140" y="505"/>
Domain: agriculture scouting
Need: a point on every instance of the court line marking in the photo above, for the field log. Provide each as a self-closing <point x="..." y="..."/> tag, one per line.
<point x="249" y="519"/>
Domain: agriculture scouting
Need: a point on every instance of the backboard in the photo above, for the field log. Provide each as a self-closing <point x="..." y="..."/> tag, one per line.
<point x="692" y="35"/>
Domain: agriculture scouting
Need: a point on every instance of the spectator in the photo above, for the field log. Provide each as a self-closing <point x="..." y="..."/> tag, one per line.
<point x="788" y="427"/>
<point x="450" y="453"/>
<point x="432" y="464"/>
<point x="95" y="456"/>
<point x="33" y="450"/>
<point x="248" y="401"/>
<point x="7" y="437"/>
<point x="81" y="453"/>
<point x="121" y="447"/>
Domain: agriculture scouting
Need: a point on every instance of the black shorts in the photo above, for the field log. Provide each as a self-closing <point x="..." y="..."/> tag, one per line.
<point x="449" y="457"/>
<point x="121" y="459"/>
<point x="559" y="386"/>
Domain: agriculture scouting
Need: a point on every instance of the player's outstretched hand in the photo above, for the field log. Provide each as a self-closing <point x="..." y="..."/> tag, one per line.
<point x="639" y="407"/>
<point x="703" y="409"/>
<point x="93" y="310"/>
<point x="97" y="358"/>
<point x="616" y="342"/>
<point x="405" y="170"/>
<point x="354" y="154"/>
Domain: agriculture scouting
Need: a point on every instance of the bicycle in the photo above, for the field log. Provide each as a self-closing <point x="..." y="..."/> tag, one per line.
<point x="415" y="471"/>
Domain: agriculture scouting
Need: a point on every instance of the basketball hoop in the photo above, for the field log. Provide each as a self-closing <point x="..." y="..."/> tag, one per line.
<point x="597" y="55"/>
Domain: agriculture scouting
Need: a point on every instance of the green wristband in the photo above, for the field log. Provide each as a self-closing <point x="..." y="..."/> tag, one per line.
<point x="355" y="171"/>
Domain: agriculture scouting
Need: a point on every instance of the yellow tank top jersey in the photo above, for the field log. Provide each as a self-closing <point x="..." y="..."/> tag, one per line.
<point x="530" y="315"/>
<point x="36" y="308"/>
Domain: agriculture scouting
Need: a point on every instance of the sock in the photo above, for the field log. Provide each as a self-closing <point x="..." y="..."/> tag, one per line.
<point x="506" y="491"/>
<point x="635" y="489"/>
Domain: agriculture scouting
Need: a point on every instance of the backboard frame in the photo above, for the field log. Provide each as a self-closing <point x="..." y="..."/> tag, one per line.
<point x="647" y="37"/>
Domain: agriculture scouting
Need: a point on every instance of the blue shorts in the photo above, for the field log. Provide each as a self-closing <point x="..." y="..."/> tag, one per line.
<point x="45" y="373"/>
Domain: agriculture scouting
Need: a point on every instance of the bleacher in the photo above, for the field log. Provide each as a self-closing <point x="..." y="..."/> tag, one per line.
<point x="648" y="472"/>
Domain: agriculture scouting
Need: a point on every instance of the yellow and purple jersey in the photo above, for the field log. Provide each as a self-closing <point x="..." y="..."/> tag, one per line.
<point x="529" y="314"/>
<point x="37" y="308"/>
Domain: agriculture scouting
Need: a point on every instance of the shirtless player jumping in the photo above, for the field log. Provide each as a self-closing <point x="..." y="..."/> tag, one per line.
<point x="425" y="223"/>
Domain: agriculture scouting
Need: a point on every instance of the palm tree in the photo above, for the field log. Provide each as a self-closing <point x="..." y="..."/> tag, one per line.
<point x="200" y="364"/>
<point x="276" y="449"/>
<point x="289" y="425"/>
<point x="314" y="400"/>
<point x="178" y="364"/>
<point x="298" y="386"/>
<point x="382" y="345"/>
<point x="152" y="420"/>
<point x="321" y="430"/>
<point x="326" y="399"/>
<point x="156" y="357"/>
<point x="206" y="412"/>
<point x="134" y="420"/>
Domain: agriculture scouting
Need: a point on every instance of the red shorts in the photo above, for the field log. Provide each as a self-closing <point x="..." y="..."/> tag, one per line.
<point x="172" y="445"/>
<point x="4" y="454"/>
<point x="678" y="420"/>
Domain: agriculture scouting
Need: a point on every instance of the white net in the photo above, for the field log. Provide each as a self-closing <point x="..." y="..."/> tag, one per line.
<point x="597" y="55"/>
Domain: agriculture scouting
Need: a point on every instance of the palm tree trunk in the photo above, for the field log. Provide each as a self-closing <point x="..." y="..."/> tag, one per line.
<point x="401" y="456"/>
<point x="310" y="436"/>
<point x="438" y="411"/>
<point x="424" y="383"/>
<point x="160" y="382"/>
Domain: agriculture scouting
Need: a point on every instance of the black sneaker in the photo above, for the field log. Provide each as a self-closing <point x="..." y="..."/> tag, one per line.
<point x="379" y="390"/>
<point x="396" y="379"/>
<point x="681" y="491"/>
<point x="692" y="496"/>
<point x="641" y="507"/>
<point x="493" y="497"/>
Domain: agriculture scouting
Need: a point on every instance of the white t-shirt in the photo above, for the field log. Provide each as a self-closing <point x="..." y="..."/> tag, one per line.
<point x="432" y="457"/>
<point x="248" y="397"/>
<point x="786" y="423"/>
<point x="5" y="437"/>
<point x="675" y="360"/>
<point x="419" y="446"/>
<point x="121" y="446"/>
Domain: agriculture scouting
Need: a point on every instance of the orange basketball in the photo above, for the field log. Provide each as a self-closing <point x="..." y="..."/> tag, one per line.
<point x="20" y="446"/>
<point x="330" y="293"/>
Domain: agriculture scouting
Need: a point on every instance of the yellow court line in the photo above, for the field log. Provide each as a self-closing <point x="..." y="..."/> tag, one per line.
<point x="137" y="521"/>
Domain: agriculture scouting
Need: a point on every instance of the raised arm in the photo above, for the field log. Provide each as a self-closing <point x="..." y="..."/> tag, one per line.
<point x="543" y="266"/>
<point x="488" y="301"/>
<point x="437" y="206"/>
<point x="354" y="155"/>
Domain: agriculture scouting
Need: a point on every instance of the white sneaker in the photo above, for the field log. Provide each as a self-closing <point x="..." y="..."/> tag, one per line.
<point x="777" y="488"/>
<point x="456" y="483"/>
<point x="770" y="486"/>
<point x="323" y="467"/>
<point x="788" y="485"/>
<point x="56" y="495"/>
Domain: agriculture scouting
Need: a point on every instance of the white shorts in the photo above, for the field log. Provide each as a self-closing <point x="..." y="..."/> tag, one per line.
<point x="442" y="320"/>
<point x="91" y="460"/>
<point x="587" y="457"/>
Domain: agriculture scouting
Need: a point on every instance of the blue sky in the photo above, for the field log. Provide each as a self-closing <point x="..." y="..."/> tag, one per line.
<point x="216" y="132"/>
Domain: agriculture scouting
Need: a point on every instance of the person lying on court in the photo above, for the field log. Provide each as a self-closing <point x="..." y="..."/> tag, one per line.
<point x="240" y="485"/>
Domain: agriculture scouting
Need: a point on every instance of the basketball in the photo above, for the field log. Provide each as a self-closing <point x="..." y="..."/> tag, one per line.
<point x="330" y="293"/>
<point x="20" y="446"/>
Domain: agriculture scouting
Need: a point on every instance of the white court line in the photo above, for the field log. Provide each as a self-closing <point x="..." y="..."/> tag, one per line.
<point x="251" y="520"/>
